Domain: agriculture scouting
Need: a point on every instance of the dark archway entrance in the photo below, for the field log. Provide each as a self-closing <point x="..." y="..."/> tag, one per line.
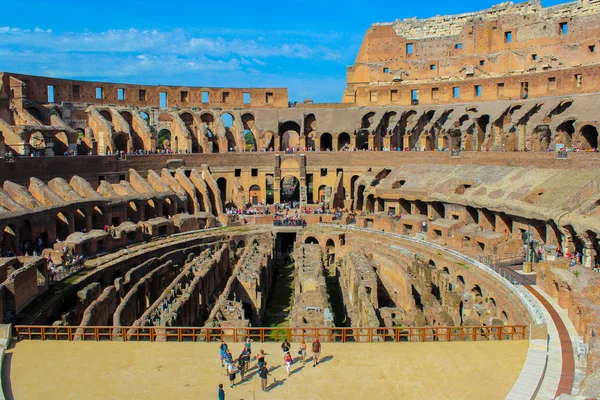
<point x="290" y="189"/>
<point x="589" y="137"/>
<point x="326" y="142"/>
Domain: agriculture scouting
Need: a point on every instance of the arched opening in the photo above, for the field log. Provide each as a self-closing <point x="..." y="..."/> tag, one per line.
<point x="97" y="218"/>
<point x="472" y="215"/>
<point x="136" y="140"/>
<point x="62" y="225"/>
<point x="120" y="139"/>
<point x="476" y="291"/>
<point x="61" y="144"/>
<point x="362" y="140"/>
<point x="250" y="140"/>
<point x="215" y="146"/>
<point x="132" y="212"/>
<point x="35" y="113"/>
<point x="188" y="121"/>
<point x="149" y="210"/>
<point x="311" y="240"/>
<point x="290" y="189"/>
<point x="589" y="137"/>
<point x="353" y="185"/>
<point x="326" y="142"/>
<point x="370" y="203"/>
<point x="9" y="240"/>
<point x="25" y="232"/>
<point x="164" y="140"/>
<point x="504" y="317"/>
<point x="321" y="194"/>
<point x="222" y="184"/>
<point x="420" y="207"/>
<point x="565" y="132"/>
<point x="289" y="132"/>
<point x="310" y="124"/>
<point x="255" y="195"/>
<point x="80" y="221"/>
<point x="106" y="115"/>
<point x="241" y="244"/>
<point x="167" y="208"/>
<point x="360" y="197"/>
<point x="460" y="280"/>
<point x="343" y="141"/>
<point x="228" y="122"/>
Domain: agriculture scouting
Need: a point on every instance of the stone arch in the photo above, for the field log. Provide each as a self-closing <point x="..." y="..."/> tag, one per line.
<point x="133" y="212"/>
<point x="61" y="143"/>
<point x="311" y="240"/>
<point x="150" y="210"/>
<point x="290" y="188"/>
<point x="121" y="141"/>
<point x="367" y="120"/>
<point x="362" y="140"/>
<point x="35" y="112"/>
<point x="80" y="220"/>
<point x="504" y="317"/>
<point x="106" y="115"/>
<point x="589" y="137"/>
<point x="343" y="141"/>
<point x="229" y="124"/>
<point x="565" y="131"/>
<point x="255" y="194"/>
<point x="222" y="184"/>
<point x="136" y="140"/>
<point x="63" y="227"/>
<point x="310" y="123"/>
<point x="476" y="291"/>
<point x="164" y="140"/>
<point x="326" y="142"/>
<point x="98" y="218"/>
<point x="26" y="232"/>
<point x="9" y="239"/>
<point x="289" y="133"/>
<point x="167" y="207"/>
<point x="370" y="203"/>
<point x="360" y="192"/>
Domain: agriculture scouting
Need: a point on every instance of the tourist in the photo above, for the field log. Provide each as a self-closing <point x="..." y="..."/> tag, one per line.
<point x="223" y="352"/>
<point x="221" y="392"/>
<point x="231" y="370"/>
<point x="287" y="359"/>
<point x="242" y="365"/>
<point x="260" y="358"/>
<point x="302" y="352"/>
<point x="316" y="349"/>
<point x="248" y="347"/>
<point x="285" y="347"/>
<point x="263" y="372"/>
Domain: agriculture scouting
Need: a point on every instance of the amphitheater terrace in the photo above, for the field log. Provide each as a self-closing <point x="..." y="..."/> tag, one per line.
<point x="438" y="227"/>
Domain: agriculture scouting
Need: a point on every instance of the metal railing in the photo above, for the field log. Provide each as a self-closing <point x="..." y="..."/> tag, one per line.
<point x="343" y="335"/>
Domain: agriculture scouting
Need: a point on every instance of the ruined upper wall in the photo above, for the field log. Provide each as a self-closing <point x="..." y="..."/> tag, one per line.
<point x="495" y="49"/>
<point x="35" y="88"/>
<point x="448" y="25"/>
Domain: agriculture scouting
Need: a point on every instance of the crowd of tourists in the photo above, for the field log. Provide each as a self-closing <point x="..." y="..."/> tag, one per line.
<point x="243" y="363"/>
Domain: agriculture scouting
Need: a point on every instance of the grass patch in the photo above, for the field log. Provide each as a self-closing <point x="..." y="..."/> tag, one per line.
<point x="280" y="299"/>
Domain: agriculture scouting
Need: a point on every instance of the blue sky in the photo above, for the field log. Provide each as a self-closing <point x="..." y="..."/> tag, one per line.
<point x="304" y="45"/>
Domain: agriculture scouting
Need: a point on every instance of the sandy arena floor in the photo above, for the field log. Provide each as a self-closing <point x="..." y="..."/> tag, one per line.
<point x="180" y="371"/>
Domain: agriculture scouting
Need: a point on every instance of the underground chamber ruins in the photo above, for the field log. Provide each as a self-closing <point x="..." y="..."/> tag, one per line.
<point x="451" y="196"/>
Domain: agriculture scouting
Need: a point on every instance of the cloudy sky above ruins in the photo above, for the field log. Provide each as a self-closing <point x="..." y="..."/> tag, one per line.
<point x="304" y="45"/>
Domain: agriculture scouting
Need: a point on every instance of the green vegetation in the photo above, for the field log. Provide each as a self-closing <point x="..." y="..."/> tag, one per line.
<point x="335" y="298"/>
<point x="280" y="300"/>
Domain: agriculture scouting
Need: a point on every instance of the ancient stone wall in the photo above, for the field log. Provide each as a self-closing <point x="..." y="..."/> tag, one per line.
<point x="485" y="55"/>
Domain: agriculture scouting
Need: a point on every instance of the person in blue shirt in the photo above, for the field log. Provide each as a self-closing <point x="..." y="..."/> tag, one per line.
<point x="221" y="392"/>
<point x="223" y="352"/>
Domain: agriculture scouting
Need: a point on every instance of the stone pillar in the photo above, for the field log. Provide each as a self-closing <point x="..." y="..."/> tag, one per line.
<point x="406" y="142"/>
<point x="371" y="141"/>
<point x="387" y="142"/>
<point x="334" y="143"/>
<point x="302" y="141"/>
<point x="276" y="142"/>
<point x="317" y="142"/>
